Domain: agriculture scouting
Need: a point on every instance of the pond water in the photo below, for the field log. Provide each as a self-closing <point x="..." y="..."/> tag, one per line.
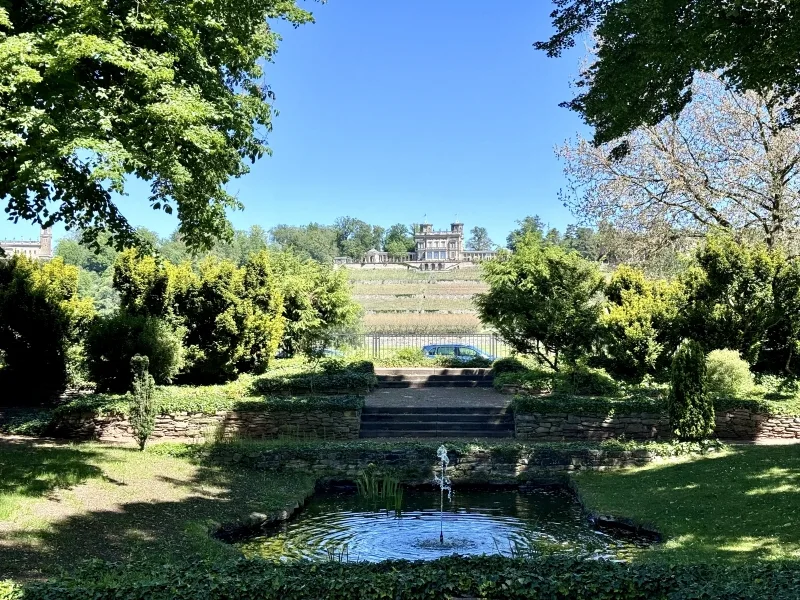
<point x="338" y="525"/>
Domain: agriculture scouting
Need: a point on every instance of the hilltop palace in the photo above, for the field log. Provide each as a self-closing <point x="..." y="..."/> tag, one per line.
<point x="35" y="249"/>
<point x="435" y="251"/>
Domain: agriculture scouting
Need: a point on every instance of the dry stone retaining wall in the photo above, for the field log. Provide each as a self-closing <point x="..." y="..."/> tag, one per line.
<point x="736" y="424"/>
<point x="418" y="465"/>
<point x="331" y="425"/>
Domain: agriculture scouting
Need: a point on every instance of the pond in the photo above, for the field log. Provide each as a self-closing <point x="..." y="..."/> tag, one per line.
<point x="341" y="525"/>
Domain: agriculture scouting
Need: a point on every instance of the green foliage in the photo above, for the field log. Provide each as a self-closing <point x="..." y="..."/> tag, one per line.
<point x="691" y="412"/>
<point x="653" y="50"/>
<point x="415" y="357"/>
<point x="508" y="365"/>
<point x="41" y="319"/>
<point x="317" y="303"/>
<point x="311" y="242"/>
<point x="729" y="295"/>
<point x="112" y="342"/>
<point x="479" y="240"/>
<point x="543" y="301"/>
<point x="335" y="376"/>
<point x="638" y="324"/>
<point x="590" y="405"/>
<point x="142" y="408"/>
<point x="728" y="374"/>
<point x="355" y="237"/>
<point x="143" y="284"/>
<point x="170" y="94"/>
<point x="479" y="577"/>
<point x="399" y="240"/>
<point x="581" y="380"/>
<point x="533" y="380"/>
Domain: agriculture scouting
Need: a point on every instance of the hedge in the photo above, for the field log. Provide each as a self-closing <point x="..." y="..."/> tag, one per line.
<point x="482" y="577"/>
<point x="333" y="376"/>
<point x="640" y="403"/>
<point x="206" y="400"/>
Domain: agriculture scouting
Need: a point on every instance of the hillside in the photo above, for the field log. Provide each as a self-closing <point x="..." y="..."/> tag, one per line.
<point x="397" y="301"/>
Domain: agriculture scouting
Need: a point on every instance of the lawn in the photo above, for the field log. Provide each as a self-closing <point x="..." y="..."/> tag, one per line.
<point x="60" y="504"/>
<point x="739" y="505"/>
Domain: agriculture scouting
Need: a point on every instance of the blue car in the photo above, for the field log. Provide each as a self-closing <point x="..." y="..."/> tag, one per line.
<point x="461" y="352"/>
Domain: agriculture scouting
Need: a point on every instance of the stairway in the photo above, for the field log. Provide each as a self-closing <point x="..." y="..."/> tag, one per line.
<point x="433" y="377"/>
<point x="441" y="422"/>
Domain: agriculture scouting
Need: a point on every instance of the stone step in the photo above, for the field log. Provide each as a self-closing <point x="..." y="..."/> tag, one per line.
<point x="455" y="419"/>
<point x="433" y="410"/>
<point x="435" y="426"/>
<point x="449" y="371"/>
<point x="471" y="434"/>
<point x="460" y="383"/>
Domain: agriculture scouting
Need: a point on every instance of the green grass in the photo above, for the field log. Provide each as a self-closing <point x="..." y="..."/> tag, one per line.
<point x="60" y="504"/>
<point x="738" y="505"/>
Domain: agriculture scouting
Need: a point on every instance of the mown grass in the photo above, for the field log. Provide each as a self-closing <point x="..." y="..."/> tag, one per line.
<point x="735" y="506"/>
<point x="63" y="504"/>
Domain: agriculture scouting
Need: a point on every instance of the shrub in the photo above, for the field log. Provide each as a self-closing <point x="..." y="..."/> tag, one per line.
<point x="580" y="380"/>
<point x="335" y="376"/>
<point x="142" y="410"/>
<point x="728" y="374"/>
<point x="691" y="413"/>
<point x="508" y="365"/>
<point x="537" y="380"/>
<point x="113" y="341"/>
<point x="41" y="320"/>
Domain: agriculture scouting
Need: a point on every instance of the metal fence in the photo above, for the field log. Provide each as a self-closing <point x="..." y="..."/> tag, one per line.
<point x="379" y="345"/>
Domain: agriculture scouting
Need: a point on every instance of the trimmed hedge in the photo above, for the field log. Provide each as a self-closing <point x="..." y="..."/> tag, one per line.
<point x="206" y="400"/>
<point x="334" y="376"/>
<point x="640" y="403"/>
<point x="578" y="380"/>
<point x="483" y="577"/>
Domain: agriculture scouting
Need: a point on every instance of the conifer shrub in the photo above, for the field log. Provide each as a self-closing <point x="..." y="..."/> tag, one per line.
<point x="728" y="374"/>
<point x="691" y="411"/>
<point x="142" y="408"/>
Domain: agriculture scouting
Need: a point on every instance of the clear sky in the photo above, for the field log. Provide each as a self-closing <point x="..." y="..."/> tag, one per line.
<point x="390" y="111"/>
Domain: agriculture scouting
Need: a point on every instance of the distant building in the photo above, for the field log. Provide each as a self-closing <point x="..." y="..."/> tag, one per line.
<point x="435" y="251"/>
<point x="36" y="249"/>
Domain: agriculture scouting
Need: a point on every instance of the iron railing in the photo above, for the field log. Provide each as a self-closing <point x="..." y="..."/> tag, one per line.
<point x="379" y="345"/>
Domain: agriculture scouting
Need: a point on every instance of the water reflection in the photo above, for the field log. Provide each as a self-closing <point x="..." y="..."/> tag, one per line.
<point x="342" y="526"/>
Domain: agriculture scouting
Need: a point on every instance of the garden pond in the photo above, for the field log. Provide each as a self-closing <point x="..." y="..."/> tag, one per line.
<point x="342" y="525"/>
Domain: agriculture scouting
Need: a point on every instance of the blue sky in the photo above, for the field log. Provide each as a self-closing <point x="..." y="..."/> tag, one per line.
<point x="390" y="111"/>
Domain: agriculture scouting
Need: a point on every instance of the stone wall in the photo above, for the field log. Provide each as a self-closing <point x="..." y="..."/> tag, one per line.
<point x="417" y="465"/>
<point x="330" y="425"/>
<point x="736" y="424"/>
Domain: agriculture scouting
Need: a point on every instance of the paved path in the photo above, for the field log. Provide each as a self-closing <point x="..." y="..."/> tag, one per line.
<point x="438" y="397"/>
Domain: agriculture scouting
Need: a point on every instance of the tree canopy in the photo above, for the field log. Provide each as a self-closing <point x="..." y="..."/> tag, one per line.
<point x="648" y="52"/>
<point x="169" y="92"/>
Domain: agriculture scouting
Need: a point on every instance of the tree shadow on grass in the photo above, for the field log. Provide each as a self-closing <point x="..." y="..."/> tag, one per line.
<point x="737" y="506"/>
<point x="174" y="529"/>
<point x="31" y="469"/>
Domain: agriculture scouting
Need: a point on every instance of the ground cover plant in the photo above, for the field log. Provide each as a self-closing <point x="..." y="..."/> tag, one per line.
<point x="484" y="577"/>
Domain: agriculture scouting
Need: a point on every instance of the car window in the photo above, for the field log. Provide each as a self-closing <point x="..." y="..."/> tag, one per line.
<point x="467" y="352"/>
<point x="445" y="350"/>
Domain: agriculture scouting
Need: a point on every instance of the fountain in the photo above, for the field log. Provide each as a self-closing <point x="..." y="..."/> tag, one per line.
<point x="444" y="484"/>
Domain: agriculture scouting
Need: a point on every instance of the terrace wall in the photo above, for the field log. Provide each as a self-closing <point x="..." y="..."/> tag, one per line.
<point x="329" y="425"/>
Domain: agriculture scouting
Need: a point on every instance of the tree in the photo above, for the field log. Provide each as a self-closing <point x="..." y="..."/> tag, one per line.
<point x="171" y="93"/>
<point x="355" y="237"/>
<point x="648" y="52"/>
<point x="399" y="240"/>
<point x="529" y="225"/>
<point x="318" y="303"/>
<point x="142" y="407"/>
<point x="479" y="240"/>
<point x="728" y="161"/>
<point x="542" y="300"/>
<point x="314" y="241"/>
<point x="41" y="319"/>
<point x="691" y="412"/>
<point x="639" y="324"/>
